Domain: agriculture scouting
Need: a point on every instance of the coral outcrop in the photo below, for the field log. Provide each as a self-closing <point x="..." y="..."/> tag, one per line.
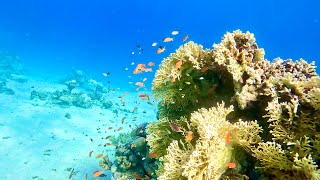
<point x="248" y="117"/>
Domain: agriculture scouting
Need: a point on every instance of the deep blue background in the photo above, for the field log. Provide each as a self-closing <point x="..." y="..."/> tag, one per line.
<point x="99" y="35"/>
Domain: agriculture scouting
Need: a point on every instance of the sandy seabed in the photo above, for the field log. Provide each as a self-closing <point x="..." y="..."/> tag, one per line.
<point x="37" y="141"/>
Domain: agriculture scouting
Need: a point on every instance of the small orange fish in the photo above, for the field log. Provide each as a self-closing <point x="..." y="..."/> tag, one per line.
<point x="99" y="156"/>
<point x="132" y="146"/>
<point x="178" y="65"/>
<point x="228" y="137"/>
<point x="172" y="79"/>
<point x="123" y="103"/>
<point x="97" y="173"/>
<point x="204" y="69"/>
<point x="122" y="120"/>
<point x="120" y="128"/>
<point x="150" y="64"/>
<point x="126" y="92"/>
<point x="160" y="49"/>
<point x="231" y="165"/>
<point x="185" y="38"/>
<point x="189" y="136"/>
<point x="108" y="144"/>
<point x="139" y="84"/>
<point x="175" y="127"/>
<point x="167" y="39"/>
<point x="139" y="68"/>
<point x="134" y="110"/>
<point x="144" y="96"/>
<point x="137" y="176"/>
<point x="153" y="155"/>
<point x="90" y="153"/>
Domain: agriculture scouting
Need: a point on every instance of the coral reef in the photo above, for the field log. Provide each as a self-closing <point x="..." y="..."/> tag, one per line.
<point x="248" y="117"/>
<point x="4" y="89"/>
<point x="132" y="156"/>
<point x="97" y="95"/>
<point x="11" y="69"/>
<point x="10" y="65"/>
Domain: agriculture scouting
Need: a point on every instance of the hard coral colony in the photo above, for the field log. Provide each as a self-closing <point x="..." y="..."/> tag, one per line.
<point x="249" y="118"/>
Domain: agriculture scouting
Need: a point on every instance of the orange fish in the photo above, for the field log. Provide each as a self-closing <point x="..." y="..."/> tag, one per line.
<point x="99" y="156"/>
<point x="90" y="153"/>
<point x="139" y="84"/>
<point x="185" y="38"/>
<point x="139" y="68"/>
<point x="175" y="127"/>
<point x="126" y="92"/>
<point x="231" y="165"/>
<point x="204" y="69"/>
<point x="144" y="96"/>
<point x="189" y="136"/>
<point x="132" y="146"/>
<point x="160" y="49"/>
<point x="228" y="137"/>
<point x="150" y="64"/>
<point x="120" y="128"/>
<point x="153" y="155"/>
<point x="134" y="110"/>
<point x="108" y="144"/>
<point x="172" y="79"/>
<point x="137" y="176"/>
<point x="167" y="39"/>
<point x="178" y="65"/>
<point x="97" y="173"/>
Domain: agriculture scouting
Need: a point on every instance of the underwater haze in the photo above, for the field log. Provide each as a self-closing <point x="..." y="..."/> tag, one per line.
<point x="79" y="82"/>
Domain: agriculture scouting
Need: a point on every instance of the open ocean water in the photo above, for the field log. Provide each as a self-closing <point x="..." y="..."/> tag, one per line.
<point x="68" y="85"/>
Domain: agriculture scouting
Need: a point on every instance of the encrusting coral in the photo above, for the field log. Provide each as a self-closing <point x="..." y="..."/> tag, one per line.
<point x="249" y="117"/>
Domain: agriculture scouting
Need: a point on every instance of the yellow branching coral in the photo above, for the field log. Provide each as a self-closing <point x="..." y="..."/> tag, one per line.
<point x="247" y="133"/>
<point x="271" y="155"/>
<point x="307" y="166"/>
<point x="174" y="160"/>
<point x="236" y="51"/>
<point x="274" y="158"/>
<point x="210" y="153"/>
<point x="174" y="78"/>
<point x="206" y="158"/>
<point x="160" y="134"/>
<point x="283" y="97"/>
<point x="313" y="96"/>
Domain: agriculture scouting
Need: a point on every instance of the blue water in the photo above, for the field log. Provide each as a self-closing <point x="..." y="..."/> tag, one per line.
<point x="58" y="37"/>
<point x="100" y="35"/>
